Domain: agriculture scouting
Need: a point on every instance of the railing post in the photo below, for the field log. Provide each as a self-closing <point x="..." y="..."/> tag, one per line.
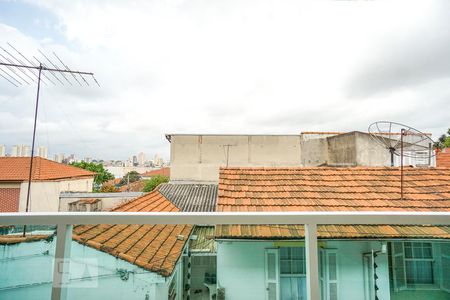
<point x="62" y="262"/>
<point x="312" y="262"/>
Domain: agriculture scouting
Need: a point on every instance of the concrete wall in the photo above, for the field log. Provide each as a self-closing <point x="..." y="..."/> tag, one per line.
<point x="109" y="200"/>
<point x="45" y="194"/>
<point x="240" y="268"/>
<point x="27" y="274"/>
<point x="314" y="152"/>
<point x="369" y="152"/>
<point x="342" y="150"/>
<point x="198" y="157"/>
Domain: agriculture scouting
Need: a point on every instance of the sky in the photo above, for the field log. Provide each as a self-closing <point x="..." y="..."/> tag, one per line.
<point x="214" y="66"/>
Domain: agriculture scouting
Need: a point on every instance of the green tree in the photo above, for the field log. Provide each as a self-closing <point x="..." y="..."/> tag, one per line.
<point x="133" y="176"/>
<point x="443" y="141"/>
<point x="102" y="174"/>
<point x="154" y="182"/>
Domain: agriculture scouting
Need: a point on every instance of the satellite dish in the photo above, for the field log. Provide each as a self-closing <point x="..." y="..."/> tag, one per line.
<point x="402" y="140"/>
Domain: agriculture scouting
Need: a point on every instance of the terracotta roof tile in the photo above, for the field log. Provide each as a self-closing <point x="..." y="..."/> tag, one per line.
<point x="156" y="248"/>
<point x="16" y="239"/>
<point x="18" y="169"/>
<point x="163" y="172"/>
<point x="136" y="186"/>
<point x="332" y="189"/>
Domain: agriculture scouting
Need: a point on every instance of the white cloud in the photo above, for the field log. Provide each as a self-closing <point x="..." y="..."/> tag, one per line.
<point x="230" y="66"/>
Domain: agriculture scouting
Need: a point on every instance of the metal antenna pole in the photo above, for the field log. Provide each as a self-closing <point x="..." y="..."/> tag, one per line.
<point x="17" y="66"/>
<point x="401" y="163"/>
<point x="32" y="144"/>
<point x="429" y="154"/>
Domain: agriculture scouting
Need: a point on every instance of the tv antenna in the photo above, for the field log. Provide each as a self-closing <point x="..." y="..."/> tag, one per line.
<point x="403" y="141"/>
<point x="19" y="70"/>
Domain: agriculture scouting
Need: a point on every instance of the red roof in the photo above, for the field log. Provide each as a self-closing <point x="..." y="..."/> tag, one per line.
<point x="163" y="172"/>
<point x="156" y="248"/>
<point x="332" y="189"/>
<point x="18" y="169"/>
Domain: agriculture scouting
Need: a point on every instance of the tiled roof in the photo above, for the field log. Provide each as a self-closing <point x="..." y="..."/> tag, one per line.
<point x="18" y="168"/>
<point x="16" y="239"/>
<point x="204" y="242"/>
<point x="89" y="201"/>
<point x="443" y="158"/>
<point x="330" y="189"/>
<point x="136" y="186"/>
<point x="191" y="197"/>
<point x="333" y="189"/>
<point x="289" y="232"/>
<point x="153" y="247"/>
<point x="163" y="172"/>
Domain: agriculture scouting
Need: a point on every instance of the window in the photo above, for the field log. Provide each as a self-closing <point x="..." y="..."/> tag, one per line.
<point x="419" y="263"/>
<point x="292" y="273"/>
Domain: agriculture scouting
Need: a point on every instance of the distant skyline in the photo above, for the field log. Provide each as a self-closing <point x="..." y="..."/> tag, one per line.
<point x="277" y="67"/>
<point x="50" y="153"/>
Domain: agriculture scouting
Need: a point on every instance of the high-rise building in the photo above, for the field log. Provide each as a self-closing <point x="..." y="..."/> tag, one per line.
<point x="42" y="152"/>
<point x="15" y="151"/>
<point x="141" y="159"/>
<point x="158" y="161"/>
<point x="59" y="157"/>
<point x="20" y="151"/>
<point x="2" y="150"/>
<point x="26" y="150"/>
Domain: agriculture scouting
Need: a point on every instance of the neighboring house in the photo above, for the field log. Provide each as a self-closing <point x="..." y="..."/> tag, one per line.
<point x="136" y="186"/>
<point x="107" y="200"/>
<point x="200" y="261"/>
<point x="197" y="158"/>
<point x="107" y="261"/>
<point x="165" y="171"/>
<point x="49" y="179"/>
<point x="443" y="158"/>
<point x="357" y="148"/>
<point x="356" y="262"/>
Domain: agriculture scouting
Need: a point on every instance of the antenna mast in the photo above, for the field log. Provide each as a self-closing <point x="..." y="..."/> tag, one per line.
<point x="20" y="72"/>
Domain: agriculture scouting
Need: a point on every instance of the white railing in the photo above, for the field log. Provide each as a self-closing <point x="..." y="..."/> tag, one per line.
<point x="65" y="220"/>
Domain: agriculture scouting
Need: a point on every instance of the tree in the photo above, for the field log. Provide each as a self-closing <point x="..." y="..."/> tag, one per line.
<point x="130" y="177"/>
<point x="108" y="188"/>
<point x="101" y="176"/>
<point x="443" y="141"/>
<point x="154" y="182"/>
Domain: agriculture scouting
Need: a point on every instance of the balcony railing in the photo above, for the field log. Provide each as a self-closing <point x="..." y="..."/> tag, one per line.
<point x="65" y="221"/>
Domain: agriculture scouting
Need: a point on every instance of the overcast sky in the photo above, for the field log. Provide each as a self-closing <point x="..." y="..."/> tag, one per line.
<point x="207" y="66"/>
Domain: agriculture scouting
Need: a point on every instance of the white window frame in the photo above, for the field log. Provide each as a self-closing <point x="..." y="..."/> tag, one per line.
<point x="413" y="259"/>
<point x="276" y="281"/>
<point x="325" y="273"/>
<point x="291" y="261"/>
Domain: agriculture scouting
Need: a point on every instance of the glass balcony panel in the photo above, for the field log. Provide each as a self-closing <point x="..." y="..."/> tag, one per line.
<point x="26" y="263"/>
<point x="394" y="269"/>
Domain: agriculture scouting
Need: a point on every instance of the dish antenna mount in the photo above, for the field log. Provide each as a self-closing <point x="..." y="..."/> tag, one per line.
<point x="402" y="140"/>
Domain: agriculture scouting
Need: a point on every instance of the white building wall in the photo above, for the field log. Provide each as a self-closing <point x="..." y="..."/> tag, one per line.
<point x="241" y="270"/>
<point x="45" y="194"/>
<point x="199" y="157"/>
